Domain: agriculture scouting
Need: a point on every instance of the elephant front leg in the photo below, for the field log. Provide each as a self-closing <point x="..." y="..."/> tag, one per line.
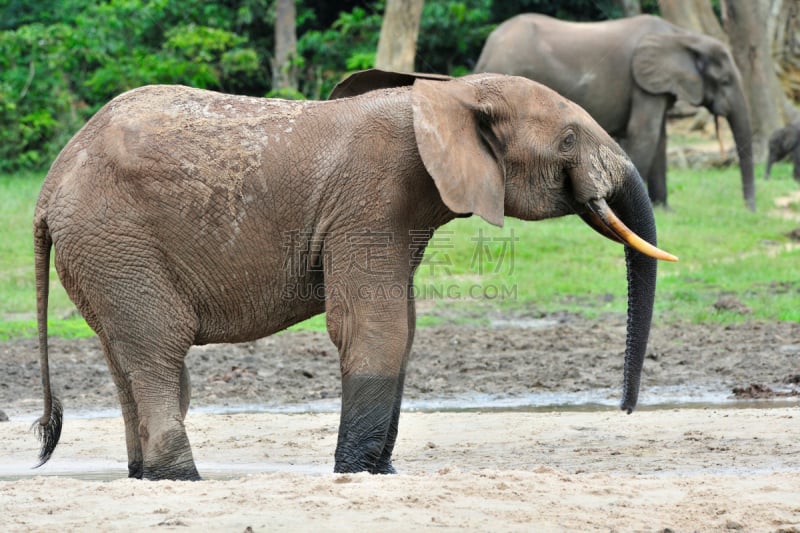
<point x="384" y="464"/>
<point x="373" y="341"/>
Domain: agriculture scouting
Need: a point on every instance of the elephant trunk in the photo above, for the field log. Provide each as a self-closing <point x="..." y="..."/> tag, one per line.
<point x="739" y="121"/>
<point x="632" y="205"/>
<point x="772" y="157"/>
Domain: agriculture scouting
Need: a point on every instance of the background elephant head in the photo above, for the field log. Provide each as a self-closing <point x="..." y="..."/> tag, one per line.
<point x="783" y="142"/>
<point x="701" y="71"/>
<point x="627" y="73"/>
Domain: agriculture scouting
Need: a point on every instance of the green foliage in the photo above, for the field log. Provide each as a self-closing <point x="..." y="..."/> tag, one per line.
<point x="566" y="9"/>
<point x="349" y="44"/>
<point x="36" y="103"/>
<point x="452" y="34"/>
<point x="53" y="76"/>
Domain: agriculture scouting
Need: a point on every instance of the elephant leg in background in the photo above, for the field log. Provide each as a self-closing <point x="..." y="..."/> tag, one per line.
<point x="372" y="334"/>
<point x="186" y="391"/>
<point x="645" y="142"/>
<point x="657" y="175"/>
<point x="129" y="414"/>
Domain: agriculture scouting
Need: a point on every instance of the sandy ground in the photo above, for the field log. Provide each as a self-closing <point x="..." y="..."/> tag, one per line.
<point x="658" y="470"/>
<point x="733" y="465"/>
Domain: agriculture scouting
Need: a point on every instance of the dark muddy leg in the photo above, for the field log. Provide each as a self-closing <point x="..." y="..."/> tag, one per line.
<point x="373" y="339"/>
<point x="367" y="415"/>
<point x="384" y="464"/>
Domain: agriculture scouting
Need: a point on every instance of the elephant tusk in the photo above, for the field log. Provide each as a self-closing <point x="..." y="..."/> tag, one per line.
<point x="597" y="224"/>
<point x="608" y="222"/>
<point x="719" y="137"/>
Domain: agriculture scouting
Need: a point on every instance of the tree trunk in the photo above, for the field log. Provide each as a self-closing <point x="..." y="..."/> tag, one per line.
<point x="746" y="24"/>
<point x="784" y="30"/>
<point x="284" y="71"/>
<point x="630" y="8"/>
<point x="397" y="45"/>
<point x="693" y="15"/>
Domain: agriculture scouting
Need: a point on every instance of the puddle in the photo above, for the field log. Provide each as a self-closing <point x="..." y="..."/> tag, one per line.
<point x="652" y="398"/>
<point x="110" y="471"/>
<point x="528" y="323"/>
<point x="593" y="400"/>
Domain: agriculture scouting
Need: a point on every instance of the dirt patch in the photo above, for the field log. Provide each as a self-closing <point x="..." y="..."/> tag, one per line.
<point x="551" y="354"/>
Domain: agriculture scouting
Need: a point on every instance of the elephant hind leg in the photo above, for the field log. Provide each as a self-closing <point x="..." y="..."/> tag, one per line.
<point x="146" y="328"/>
<point x="158" y="382"/>
<point x="147" y="340"/>
<point x="118" y="375"/>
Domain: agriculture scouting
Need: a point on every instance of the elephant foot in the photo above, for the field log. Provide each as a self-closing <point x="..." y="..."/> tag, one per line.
<point x="180" y="472"/>
<point x="383" y="468"/>
<point x="367" y="416"/>
<point x="135" y="470"/>
<point x="169" y="456"/>
<point x="356" y="466"/>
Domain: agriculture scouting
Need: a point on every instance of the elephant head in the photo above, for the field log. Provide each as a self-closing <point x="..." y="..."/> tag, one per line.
<point x="701" y="71"/>
<point x="499" y="145"/>
<point x="783" y="142"/>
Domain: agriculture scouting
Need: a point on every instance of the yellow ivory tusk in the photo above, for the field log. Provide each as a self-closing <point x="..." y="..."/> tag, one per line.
<point x="613" y="224"/>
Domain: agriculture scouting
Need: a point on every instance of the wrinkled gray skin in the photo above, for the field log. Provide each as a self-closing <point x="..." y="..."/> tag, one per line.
<point x="783" y="142"/>
<point x="180" y="216"/>
<point x="627" y="73"/>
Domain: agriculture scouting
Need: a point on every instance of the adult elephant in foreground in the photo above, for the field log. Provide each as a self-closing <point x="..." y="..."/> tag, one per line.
<point x="180" y="216"/>
<point x="627" y="73"/>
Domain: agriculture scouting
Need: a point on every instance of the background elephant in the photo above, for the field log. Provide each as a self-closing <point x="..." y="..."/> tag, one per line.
<point x="180" y="216"/>
<point x="783" y="142"/>
<point x="627" y="73"/>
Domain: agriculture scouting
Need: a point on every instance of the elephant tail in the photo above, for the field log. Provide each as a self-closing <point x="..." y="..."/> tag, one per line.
<point x="48" y="427"/>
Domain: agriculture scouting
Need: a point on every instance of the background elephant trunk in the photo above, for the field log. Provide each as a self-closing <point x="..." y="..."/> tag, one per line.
<point x="743" y="136"/>
<point x="770" y="160"/>
<point x="632" y="205"/>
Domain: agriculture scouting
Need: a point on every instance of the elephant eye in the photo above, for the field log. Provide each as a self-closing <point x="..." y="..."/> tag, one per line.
<point x="568" y="142"/>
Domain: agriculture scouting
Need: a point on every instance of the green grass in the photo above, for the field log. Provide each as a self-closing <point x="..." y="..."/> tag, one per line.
<point x="540" y="267"/>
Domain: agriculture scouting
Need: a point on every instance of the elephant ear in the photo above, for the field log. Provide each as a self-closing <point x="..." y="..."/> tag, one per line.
<point x="454" y="141"/>
<point x="373" y="79"/>
<point x="664" y="63"/>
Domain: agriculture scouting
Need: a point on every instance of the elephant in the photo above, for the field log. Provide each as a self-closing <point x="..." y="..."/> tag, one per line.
<point x="782" y="142"/>
<point x="180" y="217"/>
<point x="627" y="73"/>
